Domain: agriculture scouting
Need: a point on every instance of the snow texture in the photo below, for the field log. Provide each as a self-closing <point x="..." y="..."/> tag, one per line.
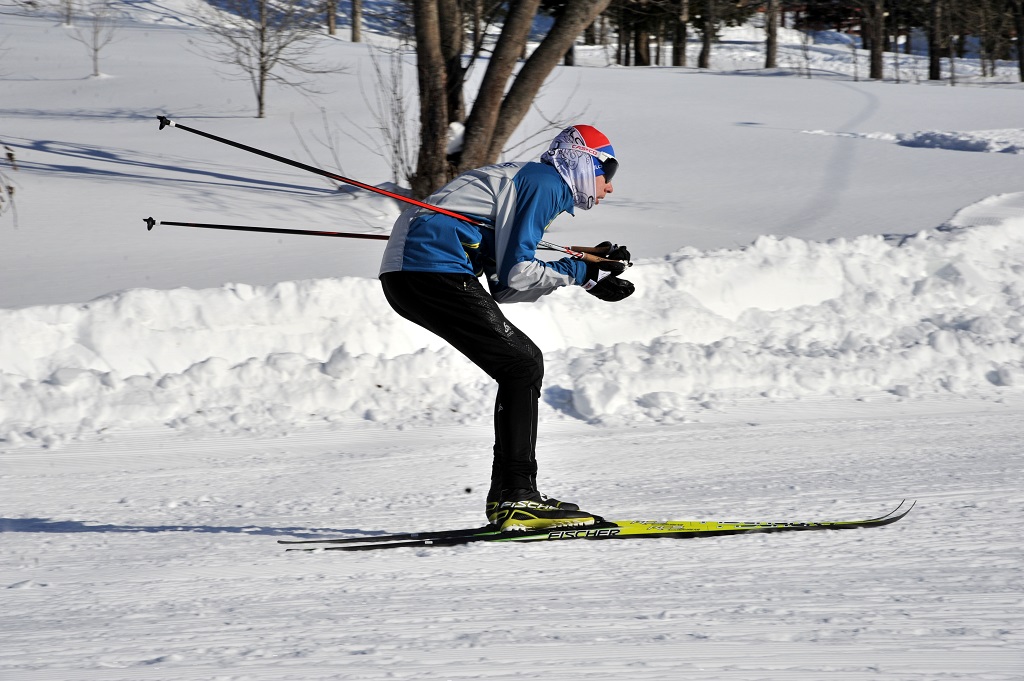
<point x="822" y="326"/>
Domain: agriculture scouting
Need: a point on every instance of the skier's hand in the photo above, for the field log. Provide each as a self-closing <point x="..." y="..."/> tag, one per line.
<point x="610" y="289"/>
<point x="598" y="268"/>
<point x="603" y="282"/>
<point x="606" y="249"/>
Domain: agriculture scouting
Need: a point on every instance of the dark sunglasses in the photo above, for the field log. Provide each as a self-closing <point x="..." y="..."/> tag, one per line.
<point x="609" y="164"/>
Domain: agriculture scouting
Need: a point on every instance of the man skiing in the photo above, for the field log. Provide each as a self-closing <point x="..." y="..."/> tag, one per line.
<point x="430" y="275"/>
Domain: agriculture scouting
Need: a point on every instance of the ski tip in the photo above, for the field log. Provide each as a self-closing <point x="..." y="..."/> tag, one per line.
<point x="912" y="503"/>
<point x="905" y="507"/>
<point x="165" y="121"/>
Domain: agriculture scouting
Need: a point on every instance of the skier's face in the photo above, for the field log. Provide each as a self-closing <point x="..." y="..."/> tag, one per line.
<point x="603" y="188"/>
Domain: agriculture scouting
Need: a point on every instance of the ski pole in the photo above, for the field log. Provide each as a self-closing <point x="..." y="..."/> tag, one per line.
<point x="579" y="253"/>
<point x="164" y="122"/>
<point x="151" y="222"/>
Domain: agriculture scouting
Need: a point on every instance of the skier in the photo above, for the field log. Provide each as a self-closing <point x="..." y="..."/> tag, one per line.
<point x="430" y="272"/>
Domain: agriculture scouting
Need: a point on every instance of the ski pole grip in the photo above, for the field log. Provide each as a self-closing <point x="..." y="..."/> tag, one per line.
<point x="596" y="259"/>
<point x="593" y="250"/>
<point x="590" y="254"/>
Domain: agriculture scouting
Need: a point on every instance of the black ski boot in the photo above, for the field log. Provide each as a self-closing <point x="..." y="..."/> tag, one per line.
<point x="523" y="509"/>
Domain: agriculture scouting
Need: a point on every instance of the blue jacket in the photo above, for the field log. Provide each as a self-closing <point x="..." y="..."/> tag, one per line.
<point x="517" y="201"/>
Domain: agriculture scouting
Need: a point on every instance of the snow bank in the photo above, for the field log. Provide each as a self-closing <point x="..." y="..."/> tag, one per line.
<point x="1007" y="141"/>
<point x="942" y="310"/>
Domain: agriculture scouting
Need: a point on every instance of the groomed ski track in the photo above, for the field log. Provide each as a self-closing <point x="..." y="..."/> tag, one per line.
<point x="154" y="555"/>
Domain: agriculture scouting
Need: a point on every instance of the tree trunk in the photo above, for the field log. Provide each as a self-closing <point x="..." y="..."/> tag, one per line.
<point x="431" y="165"/>
<point x="577" y="14"/>
<point x="357" y="21"/>
<point x="707" y="35"/>
<point x="262" y="69"/>
<point x="771" y="32"/>
<point x="679" y="36"/>
<point x="452" y="44"/>
<point x="952" y="40"/>
<point x="935" y="41"/>
<point x="483" y="118"/>
<point x="641" y="44"/>
<point x="659" y="41"/>
<point x="622" y="49"/>
<point x="332" y="17"/>
<point x="478" y="18"/>
<point x="1018" y="23"/>
<point x="875" y="10"/>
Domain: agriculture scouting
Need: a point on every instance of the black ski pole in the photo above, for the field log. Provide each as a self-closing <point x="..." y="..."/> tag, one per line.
<point x="151" y="222"/>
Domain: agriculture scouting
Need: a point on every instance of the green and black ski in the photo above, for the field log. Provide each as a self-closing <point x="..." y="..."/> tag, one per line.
<point x="606" y="529"/>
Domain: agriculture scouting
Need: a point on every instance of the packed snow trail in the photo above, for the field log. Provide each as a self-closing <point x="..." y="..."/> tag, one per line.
<point x="154" y="555"/>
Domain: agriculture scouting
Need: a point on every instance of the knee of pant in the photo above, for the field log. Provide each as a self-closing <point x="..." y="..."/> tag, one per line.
<point x="525" y="371"/>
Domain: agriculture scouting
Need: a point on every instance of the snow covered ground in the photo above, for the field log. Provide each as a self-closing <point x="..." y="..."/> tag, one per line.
<point x="153" y="557"/>
<point x="829" y="318"/>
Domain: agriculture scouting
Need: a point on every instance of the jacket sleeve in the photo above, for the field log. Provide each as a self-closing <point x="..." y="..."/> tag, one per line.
<point x="526" y="206"/>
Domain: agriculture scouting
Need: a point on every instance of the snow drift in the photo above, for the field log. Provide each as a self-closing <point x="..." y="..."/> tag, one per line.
<point x="941" y="310"/>
<point x="1007" y="141"/>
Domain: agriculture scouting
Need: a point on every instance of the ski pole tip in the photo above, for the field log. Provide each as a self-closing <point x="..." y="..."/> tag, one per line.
<point x="149" y="223"/>
<point x="165" y="121"/>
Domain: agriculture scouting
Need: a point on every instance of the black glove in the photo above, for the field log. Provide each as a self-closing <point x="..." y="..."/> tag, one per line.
<point x="606" y="249"/>
<point x="612" y="289"/>
<point x="604" y="283"/>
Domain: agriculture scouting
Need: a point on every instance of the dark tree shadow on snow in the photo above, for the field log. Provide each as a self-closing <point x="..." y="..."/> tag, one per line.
<point x="122" y="159"/>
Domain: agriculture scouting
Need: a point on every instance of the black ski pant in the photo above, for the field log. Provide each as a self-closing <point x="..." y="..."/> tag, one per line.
<point x="458" y="309"/>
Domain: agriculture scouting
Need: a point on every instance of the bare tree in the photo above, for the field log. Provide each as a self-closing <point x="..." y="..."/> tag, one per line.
<point x="577" y="15"/>
<point x="267" y="42"/>
<point x="874" y="31"/>
<point x="711" y="15"/>
<point x="67" y="9"/>
<point x="682" y="19"/>
<point x="935" y="39"/>
<point x="431" y="163"/>
<point x="331" y="16"/>
<point x="806" y="40"/>
<point x="101" y="25"/>
<point x="771" y="33"/>
<point x="357" y="21"/>
<point x="453" y="40"/>
<point x="1017" y="7"/>
<point x="708" y="32"/>
<point x="992" y="23"/>
<point x="495" y="113"/>
<point x="389" y="104"/>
